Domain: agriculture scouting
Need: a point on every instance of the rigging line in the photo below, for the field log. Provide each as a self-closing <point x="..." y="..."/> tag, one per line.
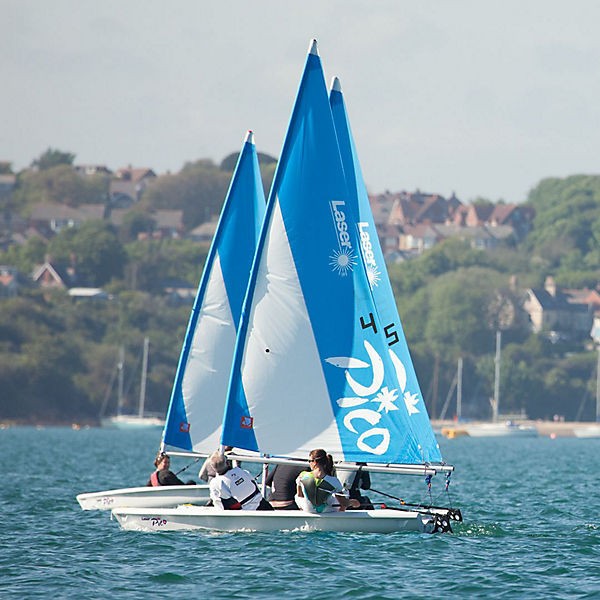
<point x="188" y="466"/>
<point x="404" y="503"/>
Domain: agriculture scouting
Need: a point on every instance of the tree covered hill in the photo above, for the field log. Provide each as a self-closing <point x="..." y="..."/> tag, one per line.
<point x="57" y="355"/>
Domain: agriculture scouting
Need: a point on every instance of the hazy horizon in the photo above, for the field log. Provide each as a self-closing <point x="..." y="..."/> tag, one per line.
<point x="479" y="99"/>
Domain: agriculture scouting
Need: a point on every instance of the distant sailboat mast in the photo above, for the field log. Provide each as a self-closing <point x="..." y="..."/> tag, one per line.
<point x="598" y="388"/>
<point x="143" y="380"/>
<point x="121" y="372"/>
<point x="459" y="389"/>
<point x="496" y="401"/>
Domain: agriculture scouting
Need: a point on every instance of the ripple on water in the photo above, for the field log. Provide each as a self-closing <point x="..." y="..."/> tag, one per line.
<point x="526" y="535"/>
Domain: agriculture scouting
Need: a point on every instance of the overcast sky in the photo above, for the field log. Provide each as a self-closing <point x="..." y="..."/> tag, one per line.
<point x="483" y="98"/>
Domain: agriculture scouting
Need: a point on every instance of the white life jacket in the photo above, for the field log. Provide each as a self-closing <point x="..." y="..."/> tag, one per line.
<point x="236" y="483"/>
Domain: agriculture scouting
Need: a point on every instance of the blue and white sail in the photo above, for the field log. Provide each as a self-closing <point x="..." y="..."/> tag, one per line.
<point x="379" y="280"/>
<point x="312" y="365"/>
<point x="198" y="397"/>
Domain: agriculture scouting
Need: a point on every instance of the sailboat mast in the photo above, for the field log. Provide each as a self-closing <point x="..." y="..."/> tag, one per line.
<point x="598" y="388"/>
<point x="459" y="389"/>
<point x="143" y="381"/>
<point x="497" y="377"/>
<point x="120" y="368"/>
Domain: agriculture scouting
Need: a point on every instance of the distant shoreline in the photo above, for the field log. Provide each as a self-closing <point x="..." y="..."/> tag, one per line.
<point x="544" y="428"/>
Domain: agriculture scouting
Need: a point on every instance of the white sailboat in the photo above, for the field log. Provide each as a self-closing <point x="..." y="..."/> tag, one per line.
<point x="593" y="429"/>
<point x="141" y="420"/>
<point x="321" y="360"/>
<point x="193" y="423"/>
<point x="499" y="427"/>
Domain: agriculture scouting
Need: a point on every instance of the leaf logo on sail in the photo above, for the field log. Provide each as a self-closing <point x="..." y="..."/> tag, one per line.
<point x="343" y="258"/>
<point x="376" y="438"/>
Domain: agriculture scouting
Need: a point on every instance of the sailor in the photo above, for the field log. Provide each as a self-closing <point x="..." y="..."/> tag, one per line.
<point x="207" y="472"/>
<point x="233" y="487"/>
<point x="282" y="480"/>
<point x="162" y="475"/>
<point x="318" y="490"/>
<point x="354" y="481"/>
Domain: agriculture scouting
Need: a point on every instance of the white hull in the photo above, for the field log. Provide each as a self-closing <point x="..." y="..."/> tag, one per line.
<point x="500" y="430"/>
<point x="213" y="519"/>
<point x="133" y="422"/>
<point x="149" y="497"/>
<point x="588" y="431"/>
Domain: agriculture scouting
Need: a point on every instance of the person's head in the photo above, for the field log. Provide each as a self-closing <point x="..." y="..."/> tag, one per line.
<point x="319" y="458"/>
<point x="218" y="462"/>
<point x="162" y="461"/>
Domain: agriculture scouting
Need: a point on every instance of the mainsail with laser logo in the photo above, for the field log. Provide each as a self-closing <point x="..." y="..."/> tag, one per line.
<point x="383" y="296"/>
<point x="321" y="359"/>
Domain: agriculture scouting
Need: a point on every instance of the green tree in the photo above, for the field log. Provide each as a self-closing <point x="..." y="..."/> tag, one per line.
<point x="94" y="249"/>
<point x="53" y="158"/>
<point x="199" y="190"/>
<point x="59" y="184"/>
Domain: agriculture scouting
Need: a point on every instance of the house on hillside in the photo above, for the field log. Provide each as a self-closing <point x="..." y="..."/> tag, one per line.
<point x="169" y="223"/>
<point x="552" y="309"/>
<point x="129" y="184"/>
<point x="9" y="281"/>
<point x="418" y="238"/>
<point x="421" y="209"/>
<point x="480" y="237"/>
<point x="50" y="218"/>
<point x="205" y="232"/>
<point x="52" y="276"/>
<point x="90" y="170"/>
<point x="7" y="184"/>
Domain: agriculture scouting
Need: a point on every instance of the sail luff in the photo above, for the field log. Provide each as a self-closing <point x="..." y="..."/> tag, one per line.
<point x="200" y="386"/>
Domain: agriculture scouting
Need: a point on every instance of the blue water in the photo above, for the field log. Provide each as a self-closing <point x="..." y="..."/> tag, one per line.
<point x="531" y="530"/>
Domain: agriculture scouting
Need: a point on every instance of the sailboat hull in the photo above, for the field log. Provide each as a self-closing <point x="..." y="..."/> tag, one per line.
<point x="149" y="497"/>
<point x="500" y="430"/>
<point x="588" y="431"/>
<point x="213" y="519"/>
<point x="132" y="422"/>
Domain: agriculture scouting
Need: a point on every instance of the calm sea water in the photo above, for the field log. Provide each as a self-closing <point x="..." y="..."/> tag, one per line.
<point x="532" y="530"/>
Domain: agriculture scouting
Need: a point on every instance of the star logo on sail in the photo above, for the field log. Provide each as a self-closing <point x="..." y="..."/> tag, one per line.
<point x="386" y="399"/>
<point x="373" y="275"/>
<point x="342" y="261"/>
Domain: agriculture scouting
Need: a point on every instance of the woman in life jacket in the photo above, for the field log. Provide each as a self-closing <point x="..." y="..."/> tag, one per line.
<point x="318" y="490"/>
<point x="162" y="475"/>
<point x="233" y="488"/>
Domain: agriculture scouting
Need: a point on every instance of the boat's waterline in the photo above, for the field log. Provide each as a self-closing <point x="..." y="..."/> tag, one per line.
<point x="148" y="497"/>
<point x="213" y="519"/>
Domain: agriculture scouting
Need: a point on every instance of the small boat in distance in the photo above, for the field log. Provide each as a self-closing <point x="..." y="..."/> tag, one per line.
<point x="142" y="420"/>
<point x="499" y="426"/>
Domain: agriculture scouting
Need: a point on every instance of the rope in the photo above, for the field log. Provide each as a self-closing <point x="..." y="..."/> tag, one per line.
<point x="188" y="466"/>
